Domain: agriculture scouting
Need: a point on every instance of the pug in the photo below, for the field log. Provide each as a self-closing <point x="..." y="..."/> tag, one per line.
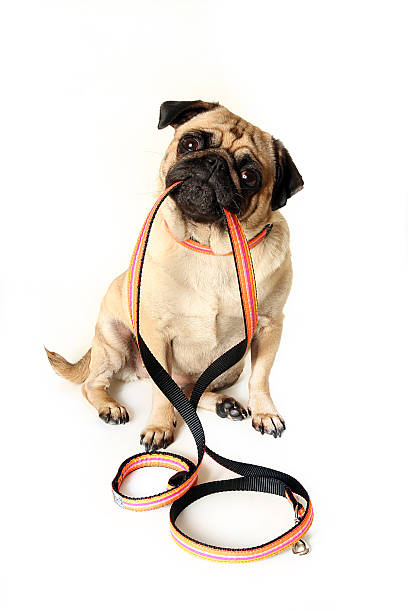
<point x="190" y="310"/>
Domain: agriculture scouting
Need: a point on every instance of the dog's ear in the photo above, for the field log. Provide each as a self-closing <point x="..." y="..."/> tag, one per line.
<point x="288" y="180"/>
<point x="175" y="113"/>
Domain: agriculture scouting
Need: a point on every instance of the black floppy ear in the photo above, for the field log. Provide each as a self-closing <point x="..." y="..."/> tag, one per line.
<point x="175" y="113"/>
<point x="288" y="180"/>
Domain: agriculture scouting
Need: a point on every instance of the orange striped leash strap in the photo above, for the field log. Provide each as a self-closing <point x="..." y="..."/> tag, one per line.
<point x="180" y="491"/>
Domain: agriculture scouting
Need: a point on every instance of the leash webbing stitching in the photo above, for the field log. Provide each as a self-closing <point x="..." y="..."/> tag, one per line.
<point x="252" y="477"/>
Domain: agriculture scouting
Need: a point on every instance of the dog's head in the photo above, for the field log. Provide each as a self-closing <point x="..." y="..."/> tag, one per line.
<point x="223" y="161"/>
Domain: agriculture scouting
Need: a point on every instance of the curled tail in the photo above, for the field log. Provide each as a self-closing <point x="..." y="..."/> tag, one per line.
<point x="77" y="372"/>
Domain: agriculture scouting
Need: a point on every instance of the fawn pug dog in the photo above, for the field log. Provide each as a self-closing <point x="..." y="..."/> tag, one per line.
<point x="190" y="311"/>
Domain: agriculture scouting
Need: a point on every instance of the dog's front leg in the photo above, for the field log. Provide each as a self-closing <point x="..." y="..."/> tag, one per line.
<point x="265" y="343"/>
<point x="159" y="429"/>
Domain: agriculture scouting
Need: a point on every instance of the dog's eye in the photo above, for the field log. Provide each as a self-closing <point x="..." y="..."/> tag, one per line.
<point x="190" y="143"/>
<point x="249" y="178"/>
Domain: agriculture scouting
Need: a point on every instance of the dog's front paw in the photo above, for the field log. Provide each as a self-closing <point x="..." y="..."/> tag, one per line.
<point x="113" y="413"/>
<point x="265" y="417"/>
<point x="272" y="424"/>
<point x="154" y="437"/>
<point x="228" y="407"/>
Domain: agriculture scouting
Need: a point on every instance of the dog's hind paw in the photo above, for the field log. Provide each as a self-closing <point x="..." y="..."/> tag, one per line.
<point x="228" y="407"/>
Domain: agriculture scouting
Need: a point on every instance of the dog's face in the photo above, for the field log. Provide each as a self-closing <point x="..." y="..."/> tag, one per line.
<point x="223" y="161"/>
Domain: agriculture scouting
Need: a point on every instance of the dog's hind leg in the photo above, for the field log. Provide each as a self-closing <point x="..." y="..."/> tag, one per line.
<point x="108" y="356"/>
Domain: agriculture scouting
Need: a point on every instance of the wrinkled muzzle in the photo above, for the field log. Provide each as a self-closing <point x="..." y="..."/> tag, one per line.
<point x="207" y="187"/>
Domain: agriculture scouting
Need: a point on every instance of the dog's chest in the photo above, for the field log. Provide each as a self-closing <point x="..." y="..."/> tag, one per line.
<point x="201" y="303"/>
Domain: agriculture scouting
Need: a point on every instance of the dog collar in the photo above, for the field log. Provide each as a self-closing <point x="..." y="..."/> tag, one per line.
<point x="181" y="492"/>
<point x="202" y="248"/>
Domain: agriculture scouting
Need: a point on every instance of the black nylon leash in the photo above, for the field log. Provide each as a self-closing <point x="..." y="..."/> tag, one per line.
<point x="251" y="477"/>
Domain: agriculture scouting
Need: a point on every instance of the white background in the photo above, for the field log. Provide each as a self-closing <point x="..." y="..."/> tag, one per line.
<point x="82" y="84"/>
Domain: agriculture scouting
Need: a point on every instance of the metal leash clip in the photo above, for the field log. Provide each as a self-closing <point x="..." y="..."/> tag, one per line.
<point x="300" y="547"/>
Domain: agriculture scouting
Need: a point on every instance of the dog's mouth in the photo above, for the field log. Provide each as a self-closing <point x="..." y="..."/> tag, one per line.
<point x="206" y="188"/>
<point x="197" y="199"/>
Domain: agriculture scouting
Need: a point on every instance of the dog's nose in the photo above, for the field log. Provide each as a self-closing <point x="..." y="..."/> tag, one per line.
<point x="216" y="163"/>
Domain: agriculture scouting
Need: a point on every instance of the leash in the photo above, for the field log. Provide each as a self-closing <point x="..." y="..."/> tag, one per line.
<point x="181" y="492"/>
<point x="193" y="245"/>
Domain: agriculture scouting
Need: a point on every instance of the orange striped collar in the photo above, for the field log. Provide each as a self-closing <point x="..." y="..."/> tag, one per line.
<point x="202" y="248"/>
